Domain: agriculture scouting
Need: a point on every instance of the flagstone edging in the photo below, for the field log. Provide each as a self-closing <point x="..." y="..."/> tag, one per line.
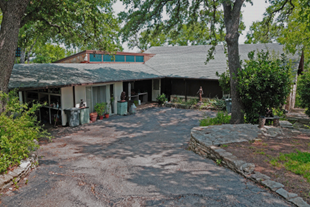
<point x="226" y="159"/>
<point x="6" y="179"/>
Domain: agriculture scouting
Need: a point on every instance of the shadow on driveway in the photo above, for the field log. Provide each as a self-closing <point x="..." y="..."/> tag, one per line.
<point x="136" y="160"/>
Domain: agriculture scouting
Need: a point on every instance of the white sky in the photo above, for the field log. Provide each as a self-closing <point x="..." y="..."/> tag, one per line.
<point x="250" y="14"/>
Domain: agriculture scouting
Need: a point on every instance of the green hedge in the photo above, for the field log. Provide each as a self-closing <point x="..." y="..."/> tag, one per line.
<point x="18" y="130"/>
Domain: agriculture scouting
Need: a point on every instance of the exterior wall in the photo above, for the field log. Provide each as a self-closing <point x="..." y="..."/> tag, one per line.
<point x="66" y="102"/>
<point x="76" y="59"/>
<point x="80" y="93"/>
<point x="189" y="87"/>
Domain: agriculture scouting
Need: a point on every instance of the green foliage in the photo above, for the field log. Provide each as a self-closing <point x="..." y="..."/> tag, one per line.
<point x="303" y="90"/>
<point x="286" y="22"/>
<point x="161" y="99"/>
<point x="221" y="118"/>
<point x="263" y="84"/>
<point x="18" y="130"/>
<point x="219" y="103"/>
<point x="48" y="53"/>
<point x="224" y="81"/>
<point x="87" y="24"/>
<point x="189" y="102"/>
<point x="100" y="108"/>
<point x="189" y="23"/>
<point x="296" y="162"/>
<point x="136" y="102"/>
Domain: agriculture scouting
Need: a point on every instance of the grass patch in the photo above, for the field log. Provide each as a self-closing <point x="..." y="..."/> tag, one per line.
<point x="297" y="162"/>
<point x="221" y="118"/>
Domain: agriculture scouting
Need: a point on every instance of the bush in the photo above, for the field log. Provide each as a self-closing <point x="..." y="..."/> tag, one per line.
<point x="18" y="130"/>
<point x="303" y="90"/>
<point x="219" y="103"/>
<point x="100" y="108"/>
<point x="224" y="81"/>
<point x="161" y="99"/>
<point x="263" y="84"/>
<point x="221" y="118"/>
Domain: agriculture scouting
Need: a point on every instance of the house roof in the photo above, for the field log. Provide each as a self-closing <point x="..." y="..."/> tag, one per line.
<point x="54" y="74"/>
<point x="189" y="61"/>
<point x="173" y="62"/>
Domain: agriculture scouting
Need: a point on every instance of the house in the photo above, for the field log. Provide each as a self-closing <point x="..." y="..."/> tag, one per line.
<point x="95" y="76"/>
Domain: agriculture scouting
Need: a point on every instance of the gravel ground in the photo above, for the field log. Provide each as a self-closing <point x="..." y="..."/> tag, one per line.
<point x="136" y="160"/>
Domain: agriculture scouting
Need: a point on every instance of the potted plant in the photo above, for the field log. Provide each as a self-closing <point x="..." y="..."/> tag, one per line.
<point x="107" y="112"/>
<point x="93" y="116"/>
<point x="100" y="108"/>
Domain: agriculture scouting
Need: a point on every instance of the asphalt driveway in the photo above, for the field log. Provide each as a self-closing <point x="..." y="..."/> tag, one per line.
<point x="136" y="160"/>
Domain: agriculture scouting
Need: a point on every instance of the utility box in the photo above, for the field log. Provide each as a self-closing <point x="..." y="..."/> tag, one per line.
<point x="73" y="116"/>
<point x="122" y="108"/>
<point x="228" y="105"/>
<point x="84" y="115"/>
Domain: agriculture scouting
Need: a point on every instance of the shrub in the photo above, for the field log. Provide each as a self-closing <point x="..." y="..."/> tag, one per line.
<point x="303" y="90"/>
<point x="263" y="83"/>
<point x="161" y="99"/>
<point x="18" y="130"/>
<point x="221" y="118"/>
<point x="224" y="81"/>
<point x="219" y="103"/>
<point x="100" y="108"/>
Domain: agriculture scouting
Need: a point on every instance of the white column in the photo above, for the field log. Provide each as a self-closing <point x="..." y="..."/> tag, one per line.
<point x="21" y="97"/>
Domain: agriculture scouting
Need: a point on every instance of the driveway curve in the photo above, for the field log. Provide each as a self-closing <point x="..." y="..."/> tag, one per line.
<point x="136" y="160"/>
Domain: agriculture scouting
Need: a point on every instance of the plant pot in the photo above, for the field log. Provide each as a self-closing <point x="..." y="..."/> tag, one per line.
<point x="106" y="115"/>
<point x="93" y="116"/>
<point x="100" y="117"/>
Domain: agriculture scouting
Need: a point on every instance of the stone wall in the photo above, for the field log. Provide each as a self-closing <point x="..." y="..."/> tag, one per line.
<point x="22" y="170"/>
<point x="204" y="145"/>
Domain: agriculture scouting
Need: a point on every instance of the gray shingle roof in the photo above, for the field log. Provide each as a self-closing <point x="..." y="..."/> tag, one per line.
<point x="177" y="61"/>
<point x="56" y="74"/>
<point x="189" y="61"/>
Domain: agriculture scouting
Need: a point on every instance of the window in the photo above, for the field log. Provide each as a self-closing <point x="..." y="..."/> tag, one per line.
<point x="94" y="95"/>
<point x="108" y="58"/>
<point x="140" y="59"/>
<point x="130" y="58"/>
<point x="95" y="58"/>
<point x="119" y="58"/>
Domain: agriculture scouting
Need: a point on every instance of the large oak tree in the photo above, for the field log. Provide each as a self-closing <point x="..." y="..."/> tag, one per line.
<point x="149" y="15"/>
<point x="88" y="23"/>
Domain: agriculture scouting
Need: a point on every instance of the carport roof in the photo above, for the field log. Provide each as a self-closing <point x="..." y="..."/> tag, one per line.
<point x="66" y="74"/>
<point x="171" y="62"/>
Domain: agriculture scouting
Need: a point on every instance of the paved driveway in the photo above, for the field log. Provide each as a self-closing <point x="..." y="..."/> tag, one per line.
<point x="137" y="160"/>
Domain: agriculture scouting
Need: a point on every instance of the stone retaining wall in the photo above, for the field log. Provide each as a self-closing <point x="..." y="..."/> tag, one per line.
<point x="22" y="170"/>
<point x="222" y="157"/>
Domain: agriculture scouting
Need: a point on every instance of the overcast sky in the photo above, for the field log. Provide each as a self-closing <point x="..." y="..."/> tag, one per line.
<point x="250" y="14"/>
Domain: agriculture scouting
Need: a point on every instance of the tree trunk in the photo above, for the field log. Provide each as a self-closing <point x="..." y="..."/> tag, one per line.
<point x="13" y="11"/>
<point x="22" y="55"/>
<point x="231" y="20"/>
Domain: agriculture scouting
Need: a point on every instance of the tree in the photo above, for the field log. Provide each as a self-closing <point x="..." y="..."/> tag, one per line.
<point x="74" y="23"/>
<point x="264" y="83"/>
<point x="48" y="53"/>
<point x="197" y="33"/>
<point x="290" y="28"/>
<point x="304" y="91"/>
<point x="148" y="15"/>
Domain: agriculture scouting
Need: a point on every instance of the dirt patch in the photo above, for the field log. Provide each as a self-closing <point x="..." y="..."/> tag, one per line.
<point x="262" y="151"/>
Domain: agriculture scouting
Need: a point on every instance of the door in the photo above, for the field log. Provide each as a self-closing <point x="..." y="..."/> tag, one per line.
<point x="156" y="88"/>
<point x="94" y="95"/>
